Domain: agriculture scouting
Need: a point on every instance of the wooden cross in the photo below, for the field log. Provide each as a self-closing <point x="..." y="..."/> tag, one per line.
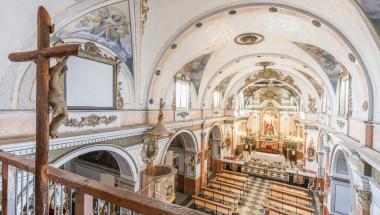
<point x="41" y="57"/>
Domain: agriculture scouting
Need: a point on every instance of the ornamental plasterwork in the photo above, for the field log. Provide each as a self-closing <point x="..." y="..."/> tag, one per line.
<point x="376" y="175"/>
<point x="271" y="74"/>
<point x="248" y="39"/>
<point x="183" y="114"/>
<point x="365" y="105"/>
<point x="312" y="104"/>
<point x="144" y="9"/>
<point x="149" y="151"/>
<point x="364" y="197"/>
<point x="340" y="123"/>
<point x="230" y="101"/>
<point x="91" y="120"/>
<point x="349" y="111"/>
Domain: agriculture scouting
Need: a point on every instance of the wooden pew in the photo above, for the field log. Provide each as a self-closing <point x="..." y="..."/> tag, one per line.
<point x="298" y="199"/>
<point x="287" y="206"/>
<point x="276" y="211"/>
<point x="289" y="188"/>
<point x="227" y="187"/>
<point x="232" y="174"/>
<point x="211" y="205"/>
<point x="221" y="196"/>
<point x="229" y="180"/>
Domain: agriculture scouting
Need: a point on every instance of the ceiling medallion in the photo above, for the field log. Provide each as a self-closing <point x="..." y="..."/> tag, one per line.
<point x="249" y="39"/>
<point x="316" y="23"/>
<point x="232" y="12"/>
<point x="351" y="57"/>
<point x="273" y="9"/>
<point x="198" y="25"/>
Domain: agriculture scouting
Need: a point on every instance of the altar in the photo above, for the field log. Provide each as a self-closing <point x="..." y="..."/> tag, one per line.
<point x="278" y="158"/>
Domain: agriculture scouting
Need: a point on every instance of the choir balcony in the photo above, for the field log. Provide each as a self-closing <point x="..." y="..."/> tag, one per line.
<point x="73" y="194"/>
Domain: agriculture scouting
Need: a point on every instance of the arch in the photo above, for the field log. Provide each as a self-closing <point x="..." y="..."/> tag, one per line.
<point x="185" y="133"/>
<point x="127" y="165"/>
<point x="341" y="196"/>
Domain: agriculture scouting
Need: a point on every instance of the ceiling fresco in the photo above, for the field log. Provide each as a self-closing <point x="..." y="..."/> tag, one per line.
<point x="109" y="26"/>
<point x="222" y="86"/>
<point x="194" y="70"/>
<point x="314" y="82"/>
<point x="372" y="9"/>
<point x="329" y="64"/>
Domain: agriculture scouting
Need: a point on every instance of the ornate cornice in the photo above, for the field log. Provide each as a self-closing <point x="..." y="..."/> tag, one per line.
<point x="91" y="120"/>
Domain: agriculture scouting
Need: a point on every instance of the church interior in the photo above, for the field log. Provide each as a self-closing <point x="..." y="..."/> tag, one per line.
<point x="190" y="107"/>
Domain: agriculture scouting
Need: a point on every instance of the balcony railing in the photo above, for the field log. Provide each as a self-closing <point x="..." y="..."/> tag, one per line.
<point x="70" y="193"/>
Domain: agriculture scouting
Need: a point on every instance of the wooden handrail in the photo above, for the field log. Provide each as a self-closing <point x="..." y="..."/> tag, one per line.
<point x="114" y="195"/>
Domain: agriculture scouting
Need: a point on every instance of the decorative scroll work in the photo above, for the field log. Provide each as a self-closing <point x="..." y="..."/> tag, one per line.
<point x="271" y="74"/>
<point x="340" y="123"/>
<point x="91" y="120"/>
<point x="364" y="197"/>
<point x="183" y="114"/>
<point x="312" y="104"/>
<point x="230" y="102"/>
<point x="144" y="14"/>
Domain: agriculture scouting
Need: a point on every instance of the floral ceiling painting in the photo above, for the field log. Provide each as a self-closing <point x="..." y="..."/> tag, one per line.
<point x="372" y="9"/>
<point x="109" y="25"/>
<point x="195" y="68"/>
<point x="329" y="64"/>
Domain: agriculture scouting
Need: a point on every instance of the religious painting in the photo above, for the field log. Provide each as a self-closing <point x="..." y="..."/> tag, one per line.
<point x="372" y="9"/>
<point x="328" y="62"/>
<point x="311" y="151"/>
<point x="109" y="25"/>
<point x="149" y="151"/>
<point x="194" y="70"/>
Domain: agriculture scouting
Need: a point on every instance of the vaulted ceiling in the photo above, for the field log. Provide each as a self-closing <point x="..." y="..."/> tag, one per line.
<point x="309" y="41"/>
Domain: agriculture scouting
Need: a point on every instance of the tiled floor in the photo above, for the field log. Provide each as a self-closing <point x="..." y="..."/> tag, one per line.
<point x="258" y="189"/>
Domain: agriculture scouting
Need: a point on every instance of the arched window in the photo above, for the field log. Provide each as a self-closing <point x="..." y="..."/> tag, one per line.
<point x="344" y="94"/>
<point x="216" y="99"/>
<point x="182" y="94"/>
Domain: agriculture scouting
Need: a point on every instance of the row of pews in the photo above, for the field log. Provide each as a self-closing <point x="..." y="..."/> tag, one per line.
<point x="284" y="199"/>
<point x="223" y="194"/>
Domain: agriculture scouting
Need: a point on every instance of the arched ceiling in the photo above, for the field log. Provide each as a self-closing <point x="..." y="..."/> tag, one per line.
<point x="199" y="27"/>
<point x="298" y="42"/>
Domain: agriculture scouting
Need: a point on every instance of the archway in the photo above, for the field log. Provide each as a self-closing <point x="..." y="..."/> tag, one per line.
<point x="106" y="163"/>
<point x="213" y="149"/>
<point x="340" y="193"/>
<point x="181" y="153"/>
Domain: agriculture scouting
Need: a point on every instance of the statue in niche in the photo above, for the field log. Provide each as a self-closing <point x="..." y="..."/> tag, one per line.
<point x="269" y="126"/>
<point x="161" y="112"/>
<point x="56" y="96"/>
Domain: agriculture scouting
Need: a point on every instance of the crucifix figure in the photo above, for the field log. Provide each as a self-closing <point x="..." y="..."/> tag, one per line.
<point x="41" y="57"/>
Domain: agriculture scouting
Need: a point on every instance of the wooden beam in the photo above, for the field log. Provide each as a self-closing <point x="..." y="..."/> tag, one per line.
<point x="42" y="114"/>
<point x="60" y="51"/>
<point x="23" y="56"/>
<point x="83" y="204"/>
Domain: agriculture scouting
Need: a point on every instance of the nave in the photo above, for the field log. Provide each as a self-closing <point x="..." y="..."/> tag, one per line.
<point x="241" y="194"/>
